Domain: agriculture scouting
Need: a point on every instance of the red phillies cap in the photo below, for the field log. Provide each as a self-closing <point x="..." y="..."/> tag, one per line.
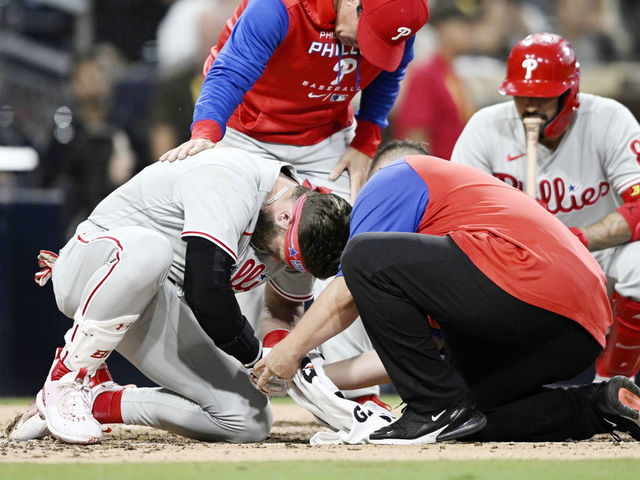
<point x="384" y="26"/>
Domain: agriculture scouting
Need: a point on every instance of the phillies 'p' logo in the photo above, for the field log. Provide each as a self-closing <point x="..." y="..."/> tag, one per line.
<point x="530" y="64"/>
<point x="402" y="32"/>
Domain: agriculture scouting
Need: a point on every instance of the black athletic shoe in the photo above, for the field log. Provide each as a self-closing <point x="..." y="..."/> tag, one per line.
<point x="415" y="428"/>
<point x="619" y="401"/>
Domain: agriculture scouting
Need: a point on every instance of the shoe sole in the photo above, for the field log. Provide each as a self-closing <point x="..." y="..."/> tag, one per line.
<point x="61" y="436"/>
<point x="471" y="426"/>
<point x="425" y="439"/>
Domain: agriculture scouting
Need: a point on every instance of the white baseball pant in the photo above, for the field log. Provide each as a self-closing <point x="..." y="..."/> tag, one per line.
<point x="204" y="393"/>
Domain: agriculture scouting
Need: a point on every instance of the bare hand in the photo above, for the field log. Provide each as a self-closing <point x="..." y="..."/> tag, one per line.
<point x="190" y="147"/>
<point x="357" y="164"/>
<point x="279" y="362"/>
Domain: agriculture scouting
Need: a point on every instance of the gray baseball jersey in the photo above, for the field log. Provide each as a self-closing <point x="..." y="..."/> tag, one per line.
<point x="110" y="278"/>
<point x="216" y="195"/>
<point x="581" y="181"/>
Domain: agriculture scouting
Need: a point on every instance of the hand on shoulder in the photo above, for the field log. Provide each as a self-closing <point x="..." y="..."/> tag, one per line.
<point x="190" y="147"/>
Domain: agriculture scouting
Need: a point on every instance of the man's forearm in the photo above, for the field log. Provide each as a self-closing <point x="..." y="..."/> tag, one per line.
<point x="611" y="231"/>
<point x="361" y="371"/>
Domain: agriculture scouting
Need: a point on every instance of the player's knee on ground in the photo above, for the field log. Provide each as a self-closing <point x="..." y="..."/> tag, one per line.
<point x="252" y="425"/>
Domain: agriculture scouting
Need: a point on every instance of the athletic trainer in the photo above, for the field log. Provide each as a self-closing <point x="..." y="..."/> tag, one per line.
<point x="520" y="301"/>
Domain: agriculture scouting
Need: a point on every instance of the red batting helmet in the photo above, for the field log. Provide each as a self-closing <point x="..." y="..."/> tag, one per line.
<point x="544" y="65"/>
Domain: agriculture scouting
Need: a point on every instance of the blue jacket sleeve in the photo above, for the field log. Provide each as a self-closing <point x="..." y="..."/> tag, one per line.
<point x="379" y="96"/>
<point x="393" y="200"/>
<point x="260" y="29"/>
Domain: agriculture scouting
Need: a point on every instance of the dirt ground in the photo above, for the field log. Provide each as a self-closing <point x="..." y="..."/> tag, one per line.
<point x="289" y="441"/>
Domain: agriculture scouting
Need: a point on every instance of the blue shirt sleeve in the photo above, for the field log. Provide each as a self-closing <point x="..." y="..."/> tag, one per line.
<point x="393" y="200"/>
<point x="262" y="26"/>
<point x="379" y="96"/>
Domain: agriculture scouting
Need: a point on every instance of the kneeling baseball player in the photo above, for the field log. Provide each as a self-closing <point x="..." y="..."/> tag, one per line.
<point x="152" y="273"/>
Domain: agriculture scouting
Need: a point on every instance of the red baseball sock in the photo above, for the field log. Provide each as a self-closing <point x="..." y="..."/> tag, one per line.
<point x="60" y="369"/>
<point x="621" y="356"/>
<point x="106" y="408"/>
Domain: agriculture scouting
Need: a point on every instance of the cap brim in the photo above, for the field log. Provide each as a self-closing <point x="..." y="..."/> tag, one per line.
<point x="524" y="88"/>
<point x="376" y="51"/>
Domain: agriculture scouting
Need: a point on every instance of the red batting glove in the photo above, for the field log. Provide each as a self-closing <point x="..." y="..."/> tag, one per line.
<point x="581" y="235"/>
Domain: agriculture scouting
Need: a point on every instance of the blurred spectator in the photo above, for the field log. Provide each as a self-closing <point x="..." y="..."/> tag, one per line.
<point x="11" y="135"/>
<point x="435" y="103"/>
<point x="505" y="22"/>
<point x="594" y="28"/>
<point x="130" y="25"/>
<point x="178" y="36"/>
<point x="177" y="89"/>
<point x="89" y="155"/>
<point x="630" y="14"/>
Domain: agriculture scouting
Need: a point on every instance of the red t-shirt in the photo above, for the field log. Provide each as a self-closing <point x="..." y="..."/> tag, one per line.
<point x="427" y="105"/>
<point x="515" y="242"/>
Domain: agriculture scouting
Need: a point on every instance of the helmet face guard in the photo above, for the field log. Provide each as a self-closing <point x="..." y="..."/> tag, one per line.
<point x="544" y="65"/>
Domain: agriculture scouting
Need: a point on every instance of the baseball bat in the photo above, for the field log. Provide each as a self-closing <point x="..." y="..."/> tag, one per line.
<point x="532" y="127"/>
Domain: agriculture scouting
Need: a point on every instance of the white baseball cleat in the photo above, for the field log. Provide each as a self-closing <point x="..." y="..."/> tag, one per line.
<point x="66" y="406"/>
<point x="30" y="426"/>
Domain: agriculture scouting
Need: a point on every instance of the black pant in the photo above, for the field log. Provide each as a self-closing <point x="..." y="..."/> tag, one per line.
<point x="500" y="350"/>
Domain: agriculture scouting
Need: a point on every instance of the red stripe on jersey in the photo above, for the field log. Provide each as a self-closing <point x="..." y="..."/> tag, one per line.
<point x="213" y="239"/>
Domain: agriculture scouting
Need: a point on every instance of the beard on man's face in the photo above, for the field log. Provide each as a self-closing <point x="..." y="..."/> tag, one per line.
<point x="264" y="233"/>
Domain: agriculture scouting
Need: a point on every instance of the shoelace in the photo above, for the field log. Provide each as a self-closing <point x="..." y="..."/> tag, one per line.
<point x="75" y="397"/>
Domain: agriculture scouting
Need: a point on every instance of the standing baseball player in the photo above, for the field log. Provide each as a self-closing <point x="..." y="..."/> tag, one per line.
<point x="512" y="289"/>
<point x="152" y="273"/>
<point x="280" y="82"/>
<point x="587" y="172"/>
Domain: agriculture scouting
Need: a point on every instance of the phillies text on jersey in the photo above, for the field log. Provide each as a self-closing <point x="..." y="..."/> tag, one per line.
<point x="279" y="63"/>
<point x="581" y="181"/>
